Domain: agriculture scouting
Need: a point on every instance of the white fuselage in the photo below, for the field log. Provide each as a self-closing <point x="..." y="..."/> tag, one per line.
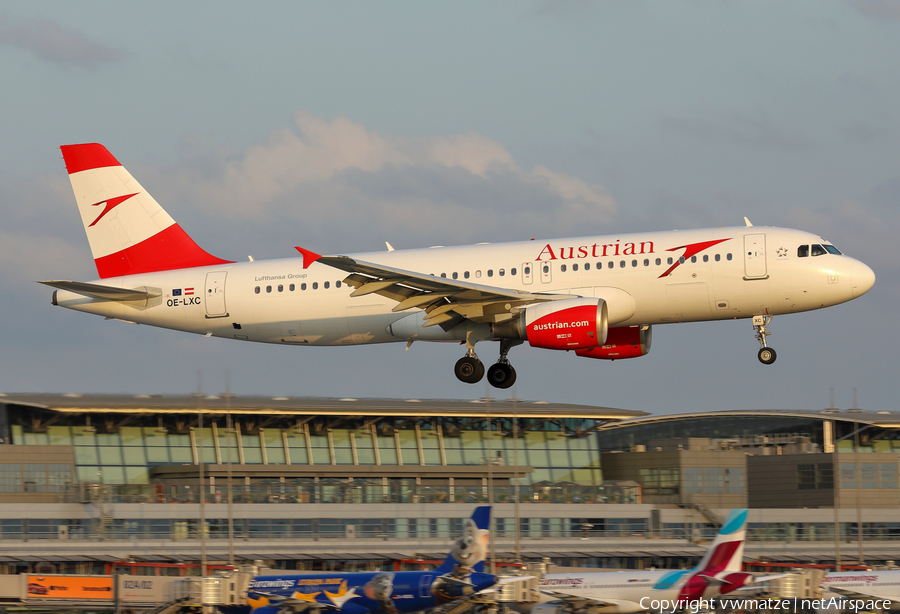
<point x="751" y="271"/>
<point x="863" y="585"/>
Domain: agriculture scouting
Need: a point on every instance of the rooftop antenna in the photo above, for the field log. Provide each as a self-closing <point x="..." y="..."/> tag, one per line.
<point x="855" y="408"/>
<point x="831" y="397"/>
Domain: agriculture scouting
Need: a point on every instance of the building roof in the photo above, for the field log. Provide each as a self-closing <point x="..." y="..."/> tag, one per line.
<point x="304" y="406"/>
<point x="881" y="419"/>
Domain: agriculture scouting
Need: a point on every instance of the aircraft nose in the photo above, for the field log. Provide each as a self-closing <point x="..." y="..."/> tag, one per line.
<point x="862" y="278"/>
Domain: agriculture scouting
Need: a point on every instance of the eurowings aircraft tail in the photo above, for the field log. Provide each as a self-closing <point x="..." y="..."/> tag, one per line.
<point x="127" y="229"/>
<point x="727" y="551"/>
<point x="471" y="548"/>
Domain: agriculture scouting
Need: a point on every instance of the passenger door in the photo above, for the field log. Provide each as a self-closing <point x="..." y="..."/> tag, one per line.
<point x="755" y="256"/>
<point x="215" y="294"/>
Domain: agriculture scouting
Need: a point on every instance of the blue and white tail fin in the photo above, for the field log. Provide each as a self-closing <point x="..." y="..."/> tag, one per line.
<point x="727" y="551"/>
<point x="471" y="548"/>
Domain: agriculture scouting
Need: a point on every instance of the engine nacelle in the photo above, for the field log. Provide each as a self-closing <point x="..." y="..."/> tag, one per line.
<point x="569" y="324"/>
<point x="625" y="342"/>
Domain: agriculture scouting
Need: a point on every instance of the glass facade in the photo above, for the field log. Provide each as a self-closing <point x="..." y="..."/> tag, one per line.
<point x="128" y="455"/>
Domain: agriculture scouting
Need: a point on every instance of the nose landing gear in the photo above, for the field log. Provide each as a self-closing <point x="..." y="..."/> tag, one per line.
<point x="766" y="354"/>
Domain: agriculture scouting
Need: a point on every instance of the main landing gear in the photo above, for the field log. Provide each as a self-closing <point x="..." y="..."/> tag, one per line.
<point x="470" y="370"/>
<point x="766" y="354"/>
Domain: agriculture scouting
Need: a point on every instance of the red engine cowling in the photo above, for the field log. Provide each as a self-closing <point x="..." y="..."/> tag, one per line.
<point x="625" y="342"/>
<point x="570" y="324"/>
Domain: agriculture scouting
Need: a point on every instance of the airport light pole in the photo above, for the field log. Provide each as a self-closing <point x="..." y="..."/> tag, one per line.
<point x="229" y="435"/>
<point x="200" y="470"/>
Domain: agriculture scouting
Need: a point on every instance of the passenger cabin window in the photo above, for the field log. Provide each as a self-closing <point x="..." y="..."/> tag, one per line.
<point x="455" y="275"/>
<point x="337" y="284"/>
<point x="268" y="288"/>
<point x="292" y="287"/>
<point x="693" y="258"/>
<point x="490" y="272"/>
<point x="669" y="260"/>
<point x="718" y="257"/>
<point x="587" y="266"/>
<point x="562" y="268"/>
<point x="574" y="267"/>
<point x="803" y="251"/>
<point x="502" y="272"/>
<point x="303" y="286"/>
<point x="315" y="285"/>
<point x="727" y="256"/>
<point x="818" y="250"/>
<point x="658" y="261"/>
<point x="527" y="271"/>
<point x="512" y="271"/>
<point x="466" y="275"/>
<point x="326" y="285"/>
<point x="256" y="289"/>
<point x="705" y="258"/>
<point x="280" y="288"/>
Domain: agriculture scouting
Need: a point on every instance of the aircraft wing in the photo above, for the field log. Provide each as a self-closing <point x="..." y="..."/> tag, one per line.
<point x="446" y="301"/>
<point x="577" y="602"/>
<point x="108" y="293"/>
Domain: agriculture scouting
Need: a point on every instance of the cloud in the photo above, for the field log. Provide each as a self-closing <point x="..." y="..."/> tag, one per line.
<point x="880" y="9"/>
<point x="337" y="178"/>
<point x="52" y="43"/>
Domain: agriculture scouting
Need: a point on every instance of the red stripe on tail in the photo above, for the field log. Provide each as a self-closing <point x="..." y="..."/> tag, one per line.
<point x="169" y="249"/>
<point x="86" y="157"/>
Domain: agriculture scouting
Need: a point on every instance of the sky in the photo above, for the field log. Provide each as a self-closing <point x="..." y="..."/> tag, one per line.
<point x="339" y="126"/>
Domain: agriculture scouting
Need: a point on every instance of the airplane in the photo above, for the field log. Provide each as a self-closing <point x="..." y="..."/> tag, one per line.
<point x="623" y="592"/>
<point x="460" y="576"/>
<point x="598" y="296"/>
<point x="861" y="587"/>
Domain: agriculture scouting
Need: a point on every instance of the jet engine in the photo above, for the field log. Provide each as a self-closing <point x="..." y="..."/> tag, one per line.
<point x="568" y="324"/>
<point x="624" y="342"/>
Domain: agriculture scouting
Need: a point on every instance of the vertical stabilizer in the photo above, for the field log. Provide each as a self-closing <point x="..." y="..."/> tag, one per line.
<point x="126" y="228"/>
<point x="471" y="548"/>
<point x="727" y="551"/>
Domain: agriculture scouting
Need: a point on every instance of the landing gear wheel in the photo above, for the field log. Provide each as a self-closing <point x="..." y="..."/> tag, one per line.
<point x="469" y="370"/>
<point x="766" y="355"/>
<point x="501" y="375"/>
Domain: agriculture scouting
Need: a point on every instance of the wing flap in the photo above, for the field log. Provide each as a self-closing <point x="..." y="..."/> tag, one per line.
<point x="106" y="293"/>
<point x="444" y="300"/>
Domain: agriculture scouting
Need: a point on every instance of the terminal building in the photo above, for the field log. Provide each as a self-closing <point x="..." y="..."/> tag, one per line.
<point x="93" y="481"/>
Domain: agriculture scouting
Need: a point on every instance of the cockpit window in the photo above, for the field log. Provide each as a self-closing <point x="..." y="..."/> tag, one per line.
<point x="818" y="250"/>
<point x="803" y="251"/>
<point x="831" y="249"/>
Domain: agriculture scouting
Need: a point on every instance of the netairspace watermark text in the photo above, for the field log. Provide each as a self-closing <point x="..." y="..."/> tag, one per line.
<point x="701" y="605"/>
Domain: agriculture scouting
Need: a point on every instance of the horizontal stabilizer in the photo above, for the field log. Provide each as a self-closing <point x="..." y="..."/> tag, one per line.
<point x="106" y="293"/>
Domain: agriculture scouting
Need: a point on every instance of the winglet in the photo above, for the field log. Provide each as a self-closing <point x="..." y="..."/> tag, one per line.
<point x="308" y="256"/>
<point x="747" y="221"/>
